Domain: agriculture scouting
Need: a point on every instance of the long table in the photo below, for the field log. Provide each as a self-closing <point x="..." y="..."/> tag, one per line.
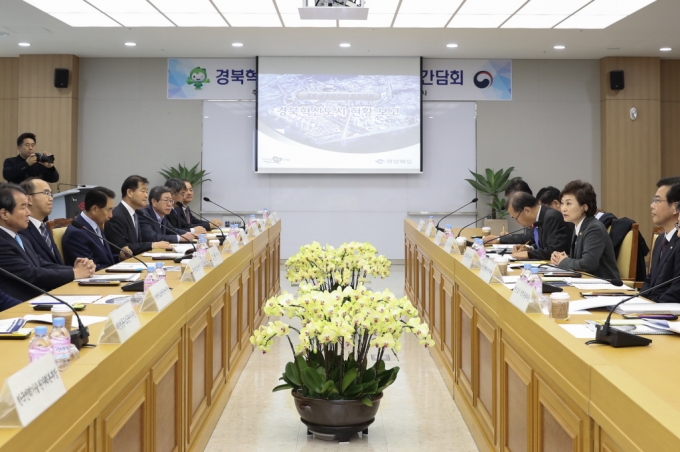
<point x="523" y="383"/>
<point x="165" y="388"/>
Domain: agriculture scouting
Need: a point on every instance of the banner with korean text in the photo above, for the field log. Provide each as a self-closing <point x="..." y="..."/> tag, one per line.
<point x="453" y="79"/>
<point x="212" y="78"/>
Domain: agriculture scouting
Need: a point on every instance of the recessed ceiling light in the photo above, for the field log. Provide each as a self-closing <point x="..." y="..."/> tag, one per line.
<point x="665" y="49"/>
<point x="559" y="47"/>
<point x="345" y="44"/>
<point x="237" y="44"/>
<point x="25" y="44"/>
<point x="451" y="46"/>
<point x="130" y="44"/>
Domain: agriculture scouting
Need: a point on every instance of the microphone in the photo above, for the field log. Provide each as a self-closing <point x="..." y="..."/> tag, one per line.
<point x="68" y="185"/>
<point x="177" y="260"/>
<point x="78" y="225"/>
<point x="180" y="205"/>
<point x="474" y="222"/>
<point x="206" y="199"/>
<point x="80" y="337"/>
<point x="441" y="229"/>
<point x="617" y="338"/>
<point x="509" y="233"/>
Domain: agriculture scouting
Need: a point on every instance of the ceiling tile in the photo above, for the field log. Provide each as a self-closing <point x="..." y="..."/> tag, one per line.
<point x="484" y="7"/>
<point x="184" y="6"/>
<point x="478" y="20"/>
<point x="246" y="6"/>
<point x="198" y="20"/>
<point x="293" y="20"/>
<point x="253" y="20"/>
<point x="614" y="7"/>
<point x="123" y="6"/>
<point x="421" y="20"/>
<point x="86" y="19"/>
<point x="552" y="7"/>
<point x="155" y="19"/>
<point x="584" y="21"/>
<point x="534" y="21"/>
<point x="62" y="6"/>
<point x="373" y="21"/>
<point x="427" y="6"/>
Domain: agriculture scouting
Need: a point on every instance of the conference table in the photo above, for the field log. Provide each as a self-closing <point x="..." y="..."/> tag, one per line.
<point x="165" y="387"/>
<point x="523" y="383"/>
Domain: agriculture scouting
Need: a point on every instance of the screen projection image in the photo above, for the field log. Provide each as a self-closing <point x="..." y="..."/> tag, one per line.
<point x="338" y="115"/>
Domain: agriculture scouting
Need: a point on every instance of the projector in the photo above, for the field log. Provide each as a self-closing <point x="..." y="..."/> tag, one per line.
<point x="333" y="10"/>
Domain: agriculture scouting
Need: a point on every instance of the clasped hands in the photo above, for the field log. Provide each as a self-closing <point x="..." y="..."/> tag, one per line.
<point x="83" y="268"/>
<point x="557" y="257"/>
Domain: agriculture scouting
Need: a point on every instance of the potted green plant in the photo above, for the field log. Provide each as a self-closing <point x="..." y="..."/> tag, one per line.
<point x="195" y="176"/>
<point x="492" y="184"/>
<point x="335" y="389"/>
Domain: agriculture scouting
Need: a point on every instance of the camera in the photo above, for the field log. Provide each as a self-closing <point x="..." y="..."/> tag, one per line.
<point x="42" y="158"/>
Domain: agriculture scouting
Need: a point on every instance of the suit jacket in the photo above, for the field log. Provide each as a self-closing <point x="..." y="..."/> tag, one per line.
<point x="195" y="221"/>
<point x="120" y="230"/>
<point x="28" y="265"/>
<point x="78" y="243"/>
<point x="177" y="220"/>
<point x="553" y="235"/>
<point x="32" y="234"/>
<point x="664" y="268"/>
<point x="15" y="169"/>
<point x="7" y="302"/>
<point x="593" y="251"/>
<point x="151" y="230"/>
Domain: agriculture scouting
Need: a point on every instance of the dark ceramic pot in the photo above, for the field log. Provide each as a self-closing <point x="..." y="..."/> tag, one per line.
<point x="335" y="413"/>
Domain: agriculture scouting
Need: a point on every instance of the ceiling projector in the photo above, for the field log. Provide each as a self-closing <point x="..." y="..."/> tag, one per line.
<point x="333" y="10"/>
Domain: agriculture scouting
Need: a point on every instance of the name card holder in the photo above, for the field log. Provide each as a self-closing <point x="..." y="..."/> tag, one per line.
<point x="490" y="273"/>
<point x="157" y="297"/>
<point x="471" y="259"/>
<point x="429" y="229"/>
<point x="194" y="270"/>
<point x="230" y="246"/>
<point x="421" y="225"/>
<point x="270" y="221"/>
<point x="29" y="392"/>
<point x="242" y="237"/>
<point x="254" y="229"/>
<point x="451" y="246"/>
<point x="439" y="236"/>
<point x="120" y="325"/>
<point x="213" y="257"/>
<point x="275" y="217"/>
<point x="525" y="298"/>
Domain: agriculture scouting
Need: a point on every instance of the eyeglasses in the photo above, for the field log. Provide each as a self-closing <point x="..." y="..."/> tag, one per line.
<point x="516" y="218"/>
<point x="44" y="192"/>
<point x="657" y="200"/>
<point x="167" y="201"/>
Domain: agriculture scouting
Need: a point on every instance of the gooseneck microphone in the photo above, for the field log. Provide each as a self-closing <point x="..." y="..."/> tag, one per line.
<point x="181" y="205"/>
<point x="80" y="337"/>
<point x="78" y="225"/>
<point x="448" y="215"/>
<point x="206" y="199"/>
<point x="474" y="222"/>
<point x="604" y="334"/>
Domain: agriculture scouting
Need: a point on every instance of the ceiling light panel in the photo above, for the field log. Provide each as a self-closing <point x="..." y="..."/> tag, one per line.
<point x="184" y="6"/>
<point x="550" y="7"/>
<point x="484" y="7"/>
<point x="614" y="7"/>
<point x="383" y="6"/>
<point x="62" y="6"/>
<point x="583" y="21"/>
<point x="197" y="20"/>
<point x="478" y="20"/>
<point x="253" y="20"/>
<point x="123" y="6"/>
<point x="95" y="19"/>
<point x="293" y="20"/>
<point x="534" y="21"/>
<point x="373" y="21"/>
<point x="421" y="20"/>
<point x="247" y="6"/>
<point x="426" y="6"/>
<point x="141" y="19"/>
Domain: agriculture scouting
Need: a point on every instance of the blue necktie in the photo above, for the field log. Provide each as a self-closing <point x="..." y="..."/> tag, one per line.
<point x="136" y="221"/>
<point x="538" y="244"/>
<point x="18" y="239"/>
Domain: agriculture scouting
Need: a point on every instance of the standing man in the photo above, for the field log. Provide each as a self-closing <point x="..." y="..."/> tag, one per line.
<point x="191" y="219"/>
<point x="28" y="164"/>
<point x="40" y="202"/>
<point x="664" y="264"/>
<point x="177" y="217"/>
<point x="153" y="219"/>
<point x="124" y="227"/>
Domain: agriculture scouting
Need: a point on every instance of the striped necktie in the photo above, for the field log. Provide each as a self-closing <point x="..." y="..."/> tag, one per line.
<point x="46" y="236"/>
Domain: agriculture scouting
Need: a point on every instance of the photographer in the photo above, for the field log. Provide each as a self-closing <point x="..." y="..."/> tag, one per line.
<point x="29" y="163"/>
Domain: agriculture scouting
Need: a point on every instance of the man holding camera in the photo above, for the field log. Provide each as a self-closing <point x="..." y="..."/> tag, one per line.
<point x="29" y="163"/>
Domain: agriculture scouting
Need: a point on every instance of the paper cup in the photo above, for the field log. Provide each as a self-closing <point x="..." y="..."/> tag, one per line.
<point x="214" y="242"/>
<point x="502" y="263"/>
<point x="486" y="231"/>
<point x="559" y="305"/>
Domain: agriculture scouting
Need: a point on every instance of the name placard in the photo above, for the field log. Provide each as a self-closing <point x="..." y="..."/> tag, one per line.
<point x="490" y="273"/>
<point x="255" y="229"/>
<point x="524" y="298"/>
<point x="471" y="259"/>
<point x="194" y="270"/>
<point x="421" y="225"/>
<point x="29" y="392"/>
<point x="214" y="257"/>
<point x="157" y="297"/>
<point x="242" y="237"/>
<point x="120" y="325"/>
<point x="230" y="245"/>
<point x="275" y="216"/>
<point x="439" y="236"/>
<point x="428" y="230"/>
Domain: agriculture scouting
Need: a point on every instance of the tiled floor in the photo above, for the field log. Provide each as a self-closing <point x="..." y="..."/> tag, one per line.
<point x="416" y="414"/>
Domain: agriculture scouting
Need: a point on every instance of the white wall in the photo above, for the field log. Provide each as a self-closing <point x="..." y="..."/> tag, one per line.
<point x="550" y="131"/>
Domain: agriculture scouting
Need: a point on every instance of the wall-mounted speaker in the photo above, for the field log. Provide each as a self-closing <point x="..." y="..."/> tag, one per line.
<point x="61" y="78"/>
<point x="616" y="82"/>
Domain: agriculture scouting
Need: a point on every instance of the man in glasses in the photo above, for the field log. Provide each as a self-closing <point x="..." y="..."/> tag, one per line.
<point x="27" y="163"/>
<point x="153" y="217"/>
<point x="664" y="264"/>
<point x="40" y="204"/>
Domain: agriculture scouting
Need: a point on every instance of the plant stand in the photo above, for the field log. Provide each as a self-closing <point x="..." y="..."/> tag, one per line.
<point x="342" y="434"/>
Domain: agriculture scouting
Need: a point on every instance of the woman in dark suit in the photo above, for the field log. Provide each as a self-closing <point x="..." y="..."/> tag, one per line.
<point x="591" y="248"/>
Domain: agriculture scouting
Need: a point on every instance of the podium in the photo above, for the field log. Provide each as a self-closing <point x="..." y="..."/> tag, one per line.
<point x="67" y="204"/>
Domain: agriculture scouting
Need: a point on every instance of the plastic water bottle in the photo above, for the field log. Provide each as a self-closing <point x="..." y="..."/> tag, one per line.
<point x="61" y="343"/>
<point x="535" y="281"/>
<point x="265" y="213"/>
<point x="201" y="248"/>
<point x="40" y="345"/>
<point x="233" y="230"/>
<point x="479" y="247"/>
<point x="151" y="278"/>
<point x="251" y="220"/>
<point x="160" y="272"/>
<point x="526" y="272"/>
<point x="447" y="232"/>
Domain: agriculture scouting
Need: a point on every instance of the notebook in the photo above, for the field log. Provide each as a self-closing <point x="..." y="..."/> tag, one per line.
<point x="649" y="308"/>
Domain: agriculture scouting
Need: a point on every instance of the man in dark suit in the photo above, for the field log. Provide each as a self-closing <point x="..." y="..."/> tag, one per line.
<point x="665" y="263"/>
<point x="177" y="217"/>
<point x="18" y="257"/>
<point x="124" y="227"/>
<point x="153" y="221"/>
<point x="40" y="204"/>
<point x="191" y="219"/>
<point x="78" y="242"/>
<point x="549" y="231"/>
<point x="18" y="169"/>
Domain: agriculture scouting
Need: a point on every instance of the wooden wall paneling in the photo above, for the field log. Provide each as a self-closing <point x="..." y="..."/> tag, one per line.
<point x="641" y="75"/>
<point x="560" y="427"/>
<point x="257" y="291"/>
<point x="245" y="325"/>
<point x="604" y="442"/>
<point x="436" y="326"/>
<point x="167" y="391"/>
<point x="218" y="344"/>
<point x="670" y="118"/>
<point x="124" y="426"/>
<point x="199" y="375"/>
<point x="9" y="106"/>
<point x="464" y="347"/>
<point x="516" y="401"/>
<point x="447" y="323"/>
<point x="670" y="80"/>
<point x="37" y="75"/>
<point x="425" y="285"/>
<point x="485" y="375"/>
<point x="418" y="281"/>
<point x="85" y="442"/>
<point x="266" y="290"/>
<point x="233" y="302"/>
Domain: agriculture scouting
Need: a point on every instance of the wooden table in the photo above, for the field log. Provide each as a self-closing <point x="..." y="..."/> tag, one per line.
<point x="523" y="383"/>
<point x="165" y="388"/>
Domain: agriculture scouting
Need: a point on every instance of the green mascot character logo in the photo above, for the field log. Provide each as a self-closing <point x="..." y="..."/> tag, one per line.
<point x="197" y="77"/>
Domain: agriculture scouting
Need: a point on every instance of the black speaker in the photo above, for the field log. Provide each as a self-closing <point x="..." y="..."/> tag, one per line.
<point x="61" y="78"/>
<point x="616" y="80"/>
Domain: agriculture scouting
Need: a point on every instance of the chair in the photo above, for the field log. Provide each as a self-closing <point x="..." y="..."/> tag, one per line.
<point x="654" y="237"/>
<point x="57" y="227"/>
<point x="626" y="260"/>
